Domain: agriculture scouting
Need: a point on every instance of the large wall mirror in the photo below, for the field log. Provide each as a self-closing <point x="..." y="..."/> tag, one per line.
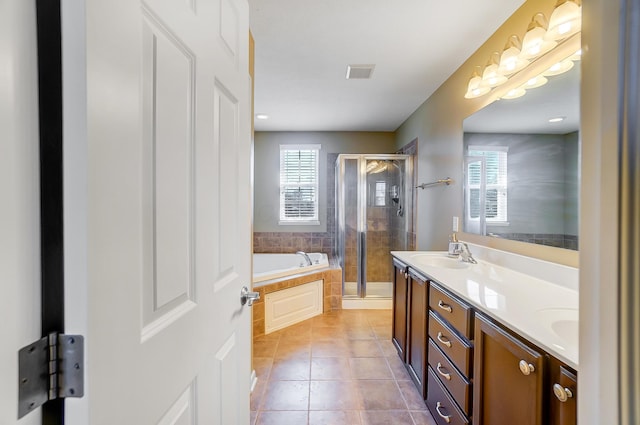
<point x="522" y="165"/>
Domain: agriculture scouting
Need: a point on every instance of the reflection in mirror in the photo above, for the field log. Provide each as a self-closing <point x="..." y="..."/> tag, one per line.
<point x="522" y="165"/>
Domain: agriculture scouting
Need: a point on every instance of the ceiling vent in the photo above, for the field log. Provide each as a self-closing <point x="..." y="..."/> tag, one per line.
<point x="359" y="71"/>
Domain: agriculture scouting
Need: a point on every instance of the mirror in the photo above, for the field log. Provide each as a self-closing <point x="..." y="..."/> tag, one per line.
<point x="526" y="166"/>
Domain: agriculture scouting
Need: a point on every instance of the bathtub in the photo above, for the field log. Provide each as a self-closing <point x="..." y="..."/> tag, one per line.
<point x="272" y="266"/>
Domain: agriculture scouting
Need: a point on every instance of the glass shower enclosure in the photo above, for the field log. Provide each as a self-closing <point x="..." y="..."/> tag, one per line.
<point x="373" y="217"/>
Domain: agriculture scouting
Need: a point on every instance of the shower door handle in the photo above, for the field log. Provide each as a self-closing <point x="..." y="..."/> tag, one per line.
<point x="248" y="297"/>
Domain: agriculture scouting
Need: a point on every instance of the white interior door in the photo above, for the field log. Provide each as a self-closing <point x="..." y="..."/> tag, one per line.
<point x="19" y="191"/>
<point x="167" y="199"/>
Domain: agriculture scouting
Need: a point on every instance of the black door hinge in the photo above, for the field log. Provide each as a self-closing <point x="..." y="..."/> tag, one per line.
<point x="49" y="369"/>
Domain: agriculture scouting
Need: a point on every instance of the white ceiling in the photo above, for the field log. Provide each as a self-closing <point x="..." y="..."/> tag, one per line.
<point x="303" y="49"/>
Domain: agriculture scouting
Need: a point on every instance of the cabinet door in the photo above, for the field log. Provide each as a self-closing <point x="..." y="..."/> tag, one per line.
<point x="400" y="303"/>
<point x="417" y="345"/>
<point x="562" y="394"/>
<point x="508" y="383"/>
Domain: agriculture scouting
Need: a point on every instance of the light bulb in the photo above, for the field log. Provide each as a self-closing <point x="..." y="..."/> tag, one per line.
<point x="534" y="43"/>
<point x="565" y="20"/>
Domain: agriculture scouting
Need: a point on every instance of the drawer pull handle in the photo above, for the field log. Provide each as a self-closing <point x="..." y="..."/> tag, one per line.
<point x="445" y="307"/>
<point x="448" y="375"/>
<point x="444" y="340"/>
<point x="526" y="368"/>
<point x="563" y="394"/>
<point x="447" y="418"/>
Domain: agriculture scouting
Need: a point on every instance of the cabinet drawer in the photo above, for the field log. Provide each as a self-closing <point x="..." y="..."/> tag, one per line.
<point x="459" y="387"/>
<point x="457" y="349"/>
<point x="457" y="313"/>
<point x="442" y="407"/>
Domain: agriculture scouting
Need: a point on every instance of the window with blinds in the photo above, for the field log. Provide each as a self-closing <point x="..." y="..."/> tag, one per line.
<point x="495" y="158"/>
<point x="299" y="184"/>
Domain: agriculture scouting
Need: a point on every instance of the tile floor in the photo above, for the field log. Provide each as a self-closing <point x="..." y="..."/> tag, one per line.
<point x="339" y="368"/>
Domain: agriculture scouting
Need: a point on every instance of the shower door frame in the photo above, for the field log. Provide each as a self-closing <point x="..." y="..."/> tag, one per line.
<point x="361" y="211"/>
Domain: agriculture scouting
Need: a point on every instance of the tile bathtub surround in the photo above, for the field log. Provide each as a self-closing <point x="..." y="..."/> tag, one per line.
<point x="332" y="287"/>
<point x="339" y="368"/>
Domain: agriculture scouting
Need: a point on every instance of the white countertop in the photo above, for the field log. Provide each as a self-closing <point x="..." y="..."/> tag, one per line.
<point x="541" y="311"/>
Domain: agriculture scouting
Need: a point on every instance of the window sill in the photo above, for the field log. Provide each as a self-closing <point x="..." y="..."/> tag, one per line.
<point x="299" y="223"/>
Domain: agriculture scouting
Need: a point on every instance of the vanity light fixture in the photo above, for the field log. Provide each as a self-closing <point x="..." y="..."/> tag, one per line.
<point x="534" y="82"/>
<point x="534" y="43"/>
<point x="559" y="68"/>
<point x="565" y="20"/>
<point x="262" y="116"/>
<point x="491" y="76"/>
<point x="514" y="93"/>
<point x="511" y="60"/>
<point x="577" y="55"/>
<point x="539" y="49"/>
<point x="474" y="88"/>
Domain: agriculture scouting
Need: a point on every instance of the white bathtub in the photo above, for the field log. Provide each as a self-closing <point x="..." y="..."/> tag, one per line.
<point x="272" y="266"/>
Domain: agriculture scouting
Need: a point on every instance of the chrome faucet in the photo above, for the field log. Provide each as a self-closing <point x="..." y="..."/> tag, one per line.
<point x="465" y="254"/>
<point x="306" y="257"/>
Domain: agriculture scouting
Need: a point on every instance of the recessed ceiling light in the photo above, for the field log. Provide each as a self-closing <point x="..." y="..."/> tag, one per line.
<point x="359" y="72"/>
<point x="557" y="119"/>
<point x="262" y="116"/>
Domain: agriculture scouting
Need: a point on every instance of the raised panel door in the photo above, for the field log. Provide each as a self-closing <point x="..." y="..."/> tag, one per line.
<point x="508" y="378"/>
<point x="417" y="340"/>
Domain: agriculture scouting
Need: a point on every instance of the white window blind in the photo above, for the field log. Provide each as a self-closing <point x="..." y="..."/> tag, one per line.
<point x="299" y="184"/>
<point x="495" y="184"/>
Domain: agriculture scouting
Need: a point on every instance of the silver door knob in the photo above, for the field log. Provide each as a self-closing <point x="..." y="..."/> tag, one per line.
<point x="526" y="368"/>
<point x="247" y="297"/>
<point x="563" y="394"/>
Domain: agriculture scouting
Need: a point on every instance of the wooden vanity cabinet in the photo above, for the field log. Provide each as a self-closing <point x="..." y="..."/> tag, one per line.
<point x="400" y="308"/>
<point x="562" y="394"/>
<point x="417" y="335"/>
<point x="508" y="385"/>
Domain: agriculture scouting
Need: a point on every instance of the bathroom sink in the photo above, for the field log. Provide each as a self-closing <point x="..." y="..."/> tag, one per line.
<point x="440" y="261"/>
<point x="563" y="322"/>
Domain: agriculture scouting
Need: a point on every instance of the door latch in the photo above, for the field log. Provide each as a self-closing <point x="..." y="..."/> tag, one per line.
<point x="247" y="297"/>
<point x="48" y="369"/>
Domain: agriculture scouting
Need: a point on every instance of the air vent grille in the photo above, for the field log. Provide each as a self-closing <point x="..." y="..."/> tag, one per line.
<point x="359" y="71"/>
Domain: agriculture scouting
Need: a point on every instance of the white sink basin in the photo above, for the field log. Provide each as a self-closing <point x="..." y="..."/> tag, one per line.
<point x="563" y="322"/>
<point x="441" y="261"/>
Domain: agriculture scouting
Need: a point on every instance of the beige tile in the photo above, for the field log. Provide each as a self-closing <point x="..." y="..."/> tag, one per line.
<point x="365" y="348"/>
<point x="257" y="395"/>
<point x="292" y="349"/>
<point x="382" y="333"/>
<point x="330" y="348"/>
<point x="265" y="348"/>
<point x="370" y="368"/>
<point x="336" y="417"/>
<point x="398" y="368"/>
<point x="423" y="418"/>
<point x="411" y="395"/>
<point x="360" y="332"/>
<point x="262" y="366"/>
<point x="327" y="332"/>
<point x="395" y="417"/>
<point x="282" y="418"/>
<point x="286" y="395"/>
<point x="388" y="349"/>
<point x="381" y="395"/>
<point x="291" y="370"/>
<point x="334" y="395"/>
<point x="330" y="368"/>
